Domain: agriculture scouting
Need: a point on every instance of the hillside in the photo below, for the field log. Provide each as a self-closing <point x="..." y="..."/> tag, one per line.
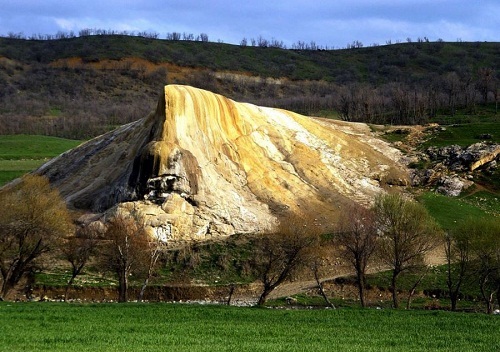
<point x="78" y="87"/>
<point x="203" y="166"/>
<point x="382" y="64"/>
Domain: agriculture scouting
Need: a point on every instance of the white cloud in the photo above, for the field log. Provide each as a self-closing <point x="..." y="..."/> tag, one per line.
<point x="332" y="23"/>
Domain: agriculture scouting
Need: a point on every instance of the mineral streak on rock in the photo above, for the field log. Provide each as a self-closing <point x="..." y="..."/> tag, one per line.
<point x="203" y="165"/>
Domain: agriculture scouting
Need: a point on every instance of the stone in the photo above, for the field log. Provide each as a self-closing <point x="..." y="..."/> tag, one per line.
<point x="203" y="166"/>
<point x="452" y="185"/>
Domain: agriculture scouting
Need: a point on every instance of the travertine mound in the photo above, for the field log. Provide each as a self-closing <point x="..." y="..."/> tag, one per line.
<point x="203" y="165"/>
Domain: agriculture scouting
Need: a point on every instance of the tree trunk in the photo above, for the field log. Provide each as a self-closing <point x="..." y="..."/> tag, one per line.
<point x="321" y="288"/>
<point x="5" y="289"/>
<point x="231" y="291"/>
<point x="414" y="288"/>
<point x="68" y="285"/>
<point x="6" y="283"/>
<point x="498" y="295"/>
<point x="123" y="287"/>
<point x="453" y="300"/>
<point x="489" y="304"/>
<point x="9" y="282"/>
<point x="488" y="298"/>
<point x="263" y="296"/>
<point x="140" y="297"/>
<point x="395" y="300"/>
<point x="361" y="289"/>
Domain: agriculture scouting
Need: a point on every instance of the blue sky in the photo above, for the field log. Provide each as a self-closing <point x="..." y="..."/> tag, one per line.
<point x="333" y="23"/>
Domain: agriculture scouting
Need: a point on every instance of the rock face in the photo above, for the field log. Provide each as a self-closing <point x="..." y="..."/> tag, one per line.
<point x="471" y="158"/>
<point x="451" y="168"/>
<point x="203" y="165"/>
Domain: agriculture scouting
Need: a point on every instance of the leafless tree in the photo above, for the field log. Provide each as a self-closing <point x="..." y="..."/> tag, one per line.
<point x="78" y="250"/>
<point x="485" y="82"/>
<point x="458" y="261"/>
<point x="277" y="256"/>
<point x="316" y="264"/>
<point x="356" y="236"/>
<point x="125" y="250"/>
<point x="204" y="37"/>
<point x="485" y="249"/>
<point x="156" y="248"/>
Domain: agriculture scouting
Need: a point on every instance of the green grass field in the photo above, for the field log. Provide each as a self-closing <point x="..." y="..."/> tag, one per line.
<point x="465" y="134"/>
<point x="20" y="154"/>
<point x="448" y="211"/>
<point x="177" y="327"/>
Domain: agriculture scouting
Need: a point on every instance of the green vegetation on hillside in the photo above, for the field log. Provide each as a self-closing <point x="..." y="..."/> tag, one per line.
<point x="16" y="147"/>
<point x="20" y="154"/>
<point x="465" y="134"/>
<point x="448" y="211"/>
<point x="375" y="64"/>
<point x="83" y="86"/>
<point x="161" y="327"/>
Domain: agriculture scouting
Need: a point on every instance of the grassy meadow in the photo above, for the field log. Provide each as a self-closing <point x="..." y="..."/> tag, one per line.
<point x="20" y="154"/>
<point x="45" y="326"/>
<point x="449" y="211"/>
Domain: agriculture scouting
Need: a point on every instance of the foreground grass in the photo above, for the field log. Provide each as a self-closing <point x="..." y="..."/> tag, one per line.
<point x="175" y="327"/>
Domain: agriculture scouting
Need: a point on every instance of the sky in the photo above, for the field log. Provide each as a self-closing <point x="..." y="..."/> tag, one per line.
<point x="328" y="23"/>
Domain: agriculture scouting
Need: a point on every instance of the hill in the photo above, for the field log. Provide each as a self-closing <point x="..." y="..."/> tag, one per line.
<point x="203" y="166"/>
<point x="381" y="64"/>
<point x="77" y="87"/>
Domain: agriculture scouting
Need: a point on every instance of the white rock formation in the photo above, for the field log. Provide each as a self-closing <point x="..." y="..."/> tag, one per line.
<point x="203" y="165"/>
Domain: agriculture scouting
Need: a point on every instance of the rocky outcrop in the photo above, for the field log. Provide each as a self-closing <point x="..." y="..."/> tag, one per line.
<point x="457" y="158"/>
<point x="451" y="168"/>
<point x="203" y="165"/>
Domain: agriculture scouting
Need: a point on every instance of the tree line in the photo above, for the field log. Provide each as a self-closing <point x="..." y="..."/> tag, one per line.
<point x="395" y="234"/>
<point x="69" y="102"/>
<point x="259" y="41"/>
<point x="397" y="102"/>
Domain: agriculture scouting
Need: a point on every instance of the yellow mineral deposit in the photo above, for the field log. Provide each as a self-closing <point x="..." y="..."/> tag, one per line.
<point x="203" y="165"/>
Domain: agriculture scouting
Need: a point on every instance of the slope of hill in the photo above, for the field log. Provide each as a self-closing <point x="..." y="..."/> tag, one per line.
<point x="76" y="88"/>
<point x="402" y="62"/>
<point x="203" y="166"/>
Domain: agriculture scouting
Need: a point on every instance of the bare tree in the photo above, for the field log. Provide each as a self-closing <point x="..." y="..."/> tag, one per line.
<point x="458" y="260"/>
<point x="423" y="272"/>
<point x="451" y="85"/>
<point x="125" y="250"/>
<point x="277" y="256"/>
<point x="356" y="236"/>
<point x="485" y="81"/>
<point x="77" y="250"/>
<point x="407" y="234"/>
<point x="204" y="37"/>
<point x="315" y="267"/>
<point x="485" y="245"/>
<point x="155" y="249"/>
<point x="33" y="219"/>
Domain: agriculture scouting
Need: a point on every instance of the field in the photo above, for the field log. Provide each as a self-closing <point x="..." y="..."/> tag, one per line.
<point x="20" y="154"/>
<point x="179" y="327"/>
<point x="466" y="134"/>
<point x="448" y="211"/>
